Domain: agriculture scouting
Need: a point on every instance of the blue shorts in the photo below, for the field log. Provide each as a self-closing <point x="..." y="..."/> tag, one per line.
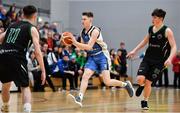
<point x="98" y="63"/>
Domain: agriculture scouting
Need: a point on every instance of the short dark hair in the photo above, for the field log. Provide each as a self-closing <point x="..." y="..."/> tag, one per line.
<point x="122" y="43"/>
<point x="88" y="14"/>
<point x="29" y="10"/>
<point x="159" y="13"/>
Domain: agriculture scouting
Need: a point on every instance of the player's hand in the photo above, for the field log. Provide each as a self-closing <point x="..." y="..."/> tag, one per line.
<point x="167" y="62"/>
<point x="73" y="38"/>
<point x="131" y="54"/>
<point x="43" y="78"/>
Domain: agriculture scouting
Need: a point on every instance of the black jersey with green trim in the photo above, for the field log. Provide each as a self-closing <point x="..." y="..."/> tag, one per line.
<point x="17" y="39"/>
<point x="159" y="47"/>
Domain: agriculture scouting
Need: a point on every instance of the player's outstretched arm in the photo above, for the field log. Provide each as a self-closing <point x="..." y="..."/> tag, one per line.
<point x="39" y="57"/>
<point x="138" y="47"/>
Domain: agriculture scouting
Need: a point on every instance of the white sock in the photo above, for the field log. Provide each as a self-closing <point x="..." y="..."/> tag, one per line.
<point x="123" y="84"/>
<point x="146" y="99"/>
<point x="81" y="96"/>
<point x="27" y="107"/>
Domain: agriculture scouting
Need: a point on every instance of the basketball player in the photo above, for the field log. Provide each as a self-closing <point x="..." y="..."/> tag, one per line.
<point x="13" y="67"/>
<point x="98" y="58"/>
<point x="160" y="51"/>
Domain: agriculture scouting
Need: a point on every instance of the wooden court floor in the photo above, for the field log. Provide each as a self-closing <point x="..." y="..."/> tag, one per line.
<point x="98" y="100"/>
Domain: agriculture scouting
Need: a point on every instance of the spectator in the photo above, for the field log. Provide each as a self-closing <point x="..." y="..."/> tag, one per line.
<point x="31" y="67"/>
<point x="123" y="71"/>
<point x="74" y="66"/>
<point x="12" y="13"/>
<point x="52" y="60"/>
<point x="48" y="71"/>
<point x="35" y="69"/>
<point x="176" y="69"/>
<point x="65" y="71"/>
<point x="50" y="40"/>
<point x="55" y="50"/>
<point x="3" y="14"/>
<point x="44" y="30"/>
<point x="81" y="59"/>
<point x="166" y="78"/>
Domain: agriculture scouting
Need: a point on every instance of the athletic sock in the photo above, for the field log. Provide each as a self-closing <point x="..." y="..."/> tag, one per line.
<point x="27" y="107"/>
<point x="123" y="84"/>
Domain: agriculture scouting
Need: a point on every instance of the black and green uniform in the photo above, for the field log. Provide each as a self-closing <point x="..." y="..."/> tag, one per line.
<point x="13" y="66"/>
<point x="156" y="54"/>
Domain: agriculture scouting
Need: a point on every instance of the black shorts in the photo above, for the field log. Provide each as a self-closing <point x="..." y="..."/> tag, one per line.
<point x="13" y="69"/>
<point x="152" y="70"/>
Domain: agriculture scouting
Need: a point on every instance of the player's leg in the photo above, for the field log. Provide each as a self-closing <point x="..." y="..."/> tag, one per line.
<point x="147" y="93"/>
<point x="141" y="76"/>
<point x="113" y="82"/>
<point x="22" y="80"/>
<point x="141" y="82"/>
<point x="84" y="83"/>
<point x="26" y="97"/>
<point x="5" y="96"/>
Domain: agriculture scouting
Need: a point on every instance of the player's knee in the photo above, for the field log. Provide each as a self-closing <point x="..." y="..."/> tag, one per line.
<point x="148" y="83"/>
<point x="85" y="78"/>
<point x="107" y="82"/>
<point x="140" y="80"/>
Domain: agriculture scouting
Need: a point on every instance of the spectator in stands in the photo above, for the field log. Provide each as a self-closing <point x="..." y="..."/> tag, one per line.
<point x="48" y="71"/>
<point x="123" y="71"/>
<point x="74" y="66"/>
<point x="117" y="61"/>
<point x="114" y="63"/>
<point x="166" y="78"/>
<point x="12" y="13"/>
<point x="3" y="14"/>
<point x="35" y="69"/>
<point x="44" y="31"/>
<point x="55" y="50"/>
<point x="176" y="69"/>
<point x="31" y="67"/>
<point x="19" y="15"/>
<point x="81" y="58"/>
<point x="65" y="71"/>
<point x="50" y="40"/>
<point x="52" y="60"/>
<point x="56" y="39"/>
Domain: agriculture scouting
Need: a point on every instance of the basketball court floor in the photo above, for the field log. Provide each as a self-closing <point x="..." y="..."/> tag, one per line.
<point x="165" y="100"/>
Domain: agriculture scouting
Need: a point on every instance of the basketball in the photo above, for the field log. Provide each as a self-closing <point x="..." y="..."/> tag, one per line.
<point x="66" y="38"/>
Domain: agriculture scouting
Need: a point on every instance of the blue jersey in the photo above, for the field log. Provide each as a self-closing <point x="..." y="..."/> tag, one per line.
<point x="98" y="57"/>
<point x="99" y="45"/>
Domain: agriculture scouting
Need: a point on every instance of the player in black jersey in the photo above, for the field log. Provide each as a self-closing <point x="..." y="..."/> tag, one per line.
<point x="160" y="51"/>
<point x="15" y="42"/>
